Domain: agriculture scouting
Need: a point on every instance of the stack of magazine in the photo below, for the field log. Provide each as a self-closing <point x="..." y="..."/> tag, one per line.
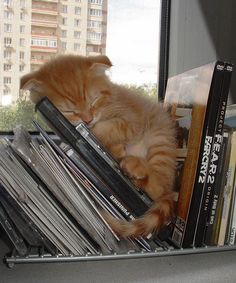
<point x="55" y="188"/>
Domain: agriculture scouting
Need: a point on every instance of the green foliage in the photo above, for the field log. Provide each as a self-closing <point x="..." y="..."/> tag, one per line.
<point x="146" y="89"/>
<point x="20" y="113"/>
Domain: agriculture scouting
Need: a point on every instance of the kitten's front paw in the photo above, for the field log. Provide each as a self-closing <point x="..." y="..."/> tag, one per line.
<point x="97" y="130"/>
<point x="117" y="150"/>
<point x="136" y="169"/>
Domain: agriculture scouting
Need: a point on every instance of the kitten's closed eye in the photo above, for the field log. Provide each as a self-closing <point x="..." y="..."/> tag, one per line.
<point x="94" y="101"/>
<point x="68" y="112"/>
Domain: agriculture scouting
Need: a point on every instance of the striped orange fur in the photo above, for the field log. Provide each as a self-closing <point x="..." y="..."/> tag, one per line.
<point x="136" y="129"/>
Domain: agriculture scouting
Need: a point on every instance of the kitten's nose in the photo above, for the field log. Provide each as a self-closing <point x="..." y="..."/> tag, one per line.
<point x="87" y="121"/>
<point x="87" y="118"/>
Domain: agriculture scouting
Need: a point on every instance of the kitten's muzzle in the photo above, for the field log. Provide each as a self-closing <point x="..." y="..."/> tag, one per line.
<point x="86" y="117"/>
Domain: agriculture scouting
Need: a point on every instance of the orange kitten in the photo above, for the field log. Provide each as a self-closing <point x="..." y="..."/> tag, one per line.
<point x="136" y="129"/>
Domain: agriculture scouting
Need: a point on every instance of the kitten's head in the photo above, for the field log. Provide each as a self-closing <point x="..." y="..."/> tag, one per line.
<point x="77" y="85"/>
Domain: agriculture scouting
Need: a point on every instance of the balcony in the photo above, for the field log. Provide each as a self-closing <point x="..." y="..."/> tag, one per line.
<point x="37" y="61"/>
<point x="44" y="10"/>
<point x="44" y="23"/>
<point x="44" y="49"/>
<point x="52" y="1"/>
<point x="45" y="44"/>
<point x="49" y="35"/>
<point x="92" y="41"/>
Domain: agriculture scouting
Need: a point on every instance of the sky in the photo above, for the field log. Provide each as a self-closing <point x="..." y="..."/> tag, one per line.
<point x="133" y="40"/>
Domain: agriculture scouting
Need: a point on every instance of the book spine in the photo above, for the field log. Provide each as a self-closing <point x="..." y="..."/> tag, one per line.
<point x="212" y="217"/>
<point x="223" y="183"/>
<point x="217" y="136"/>
<point x="137" y="202"/>
<point x="228" y="192"/>
<point x="204" y="156"/>
<point x="188" y="174"/>
<point x="232" y="224"/>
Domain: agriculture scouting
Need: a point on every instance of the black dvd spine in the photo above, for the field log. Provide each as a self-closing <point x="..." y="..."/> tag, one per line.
<point x="12" y="232"/>
<point x="214" y="159"/>
<point x="204" y="156"/>
<point x="34" y="236"/>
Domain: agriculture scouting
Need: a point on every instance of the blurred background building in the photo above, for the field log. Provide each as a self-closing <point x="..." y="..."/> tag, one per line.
<point x="33" y="31"/>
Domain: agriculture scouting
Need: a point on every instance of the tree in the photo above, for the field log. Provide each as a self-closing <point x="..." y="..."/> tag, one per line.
<point x="146" y="89"/>
<point x="20" y="113"/>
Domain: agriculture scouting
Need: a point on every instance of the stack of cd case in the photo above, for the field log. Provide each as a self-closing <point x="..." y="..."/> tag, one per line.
<point x="54" y="188"/>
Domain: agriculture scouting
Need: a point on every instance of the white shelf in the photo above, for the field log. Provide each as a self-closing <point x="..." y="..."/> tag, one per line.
<point x="47" y="258"/>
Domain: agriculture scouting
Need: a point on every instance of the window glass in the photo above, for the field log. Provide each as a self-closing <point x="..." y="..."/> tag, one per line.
<point x="133" y="41"/>
<point x="33" y="32"/>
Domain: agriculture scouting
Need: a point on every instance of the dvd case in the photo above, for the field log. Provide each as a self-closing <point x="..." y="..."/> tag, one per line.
<point x="12" y="232"/>
<point x="24" y="224"/>
<point x="138" y="201"/>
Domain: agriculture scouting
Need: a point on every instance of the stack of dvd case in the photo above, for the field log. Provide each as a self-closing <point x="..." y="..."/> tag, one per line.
<point x="53" y="189"/>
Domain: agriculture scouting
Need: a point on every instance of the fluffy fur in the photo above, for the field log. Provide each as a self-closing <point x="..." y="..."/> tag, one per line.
<point x="136" y="129"/>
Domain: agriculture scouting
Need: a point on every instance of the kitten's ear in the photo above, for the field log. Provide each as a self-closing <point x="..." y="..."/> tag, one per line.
<point x="100" y="59"/>
<point x="36" y="90"/>
<point x="26" y="78"/>
<point x="98" y="69"/>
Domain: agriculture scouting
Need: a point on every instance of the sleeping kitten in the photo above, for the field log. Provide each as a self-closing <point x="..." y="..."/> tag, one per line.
<point x="137" y="130"/>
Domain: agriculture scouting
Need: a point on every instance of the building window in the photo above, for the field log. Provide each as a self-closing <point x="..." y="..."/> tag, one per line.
<point x="7" y="27"/>
<point x="22" y="29"/>
<point x="8" y="15"/>
<point x="63" y="33"/>
<point x="7" y="41"/>
<point x="22" y="55"/>
<point x="76" y="47"/>
<point x="7" y="54"/>
<point x="77" y="11"/>
<point x="64" y="21"/>
<point x="6" y="67"/>
<point x="22" y="16"/>
<point x="94" y="24"/>
<point x="77" y="22"/>
<point x="6" y="91"/>
<point x="44" y="42"/>
<point x="21" y="68"/>
<point x="63" y="45"/>
<point x="77" y="34"/>
<point x="98" y="2"/>
<point x="22" y="42"/>
<point x="95" y="12"/>
<point x="64" y="9"/>
<point x="22" y="3"/>
<point x="7" y="80"/>
<point x="7" y="2"/>
<point x="94" y="36"/>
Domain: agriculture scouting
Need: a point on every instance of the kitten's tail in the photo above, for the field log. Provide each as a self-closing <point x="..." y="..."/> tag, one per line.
<point x="156" y="217"/>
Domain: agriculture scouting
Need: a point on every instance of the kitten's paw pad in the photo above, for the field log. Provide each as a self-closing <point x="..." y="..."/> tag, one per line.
<point x="134" y="167"/>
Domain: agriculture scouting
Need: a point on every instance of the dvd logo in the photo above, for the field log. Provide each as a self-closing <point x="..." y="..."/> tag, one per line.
<point x="205" y="159"/>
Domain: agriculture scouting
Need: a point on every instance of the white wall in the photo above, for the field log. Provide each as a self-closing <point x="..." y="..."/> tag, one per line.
<point x="202" y="31"/>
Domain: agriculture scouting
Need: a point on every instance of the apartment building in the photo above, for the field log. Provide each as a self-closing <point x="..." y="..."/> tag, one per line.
<point x="33" y="31"/>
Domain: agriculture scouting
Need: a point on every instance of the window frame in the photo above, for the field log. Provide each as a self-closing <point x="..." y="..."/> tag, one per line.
<point x="164" y="47"/>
